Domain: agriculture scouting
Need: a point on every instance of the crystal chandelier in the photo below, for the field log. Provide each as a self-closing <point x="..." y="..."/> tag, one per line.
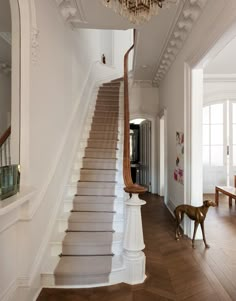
<point x="138" y="11"/>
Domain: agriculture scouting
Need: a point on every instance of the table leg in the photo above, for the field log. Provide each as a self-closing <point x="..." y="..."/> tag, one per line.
<point x="217" y="197"/>
<point x="230" y="201"/>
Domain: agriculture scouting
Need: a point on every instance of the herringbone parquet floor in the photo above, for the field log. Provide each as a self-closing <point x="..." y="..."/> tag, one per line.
<point x="174" y="270"/>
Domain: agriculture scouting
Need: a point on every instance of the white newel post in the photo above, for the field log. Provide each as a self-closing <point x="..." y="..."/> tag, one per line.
<point x="134" y="257"/>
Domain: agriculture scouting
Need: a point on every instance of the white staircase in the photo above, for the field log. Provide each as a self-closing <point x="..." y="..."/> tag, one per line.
<point x="88" y="234"/>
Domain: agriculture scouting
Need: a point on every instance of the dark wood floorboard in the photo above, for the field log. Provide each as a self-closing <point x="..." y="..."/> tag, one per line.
<point x="175" y="271"/>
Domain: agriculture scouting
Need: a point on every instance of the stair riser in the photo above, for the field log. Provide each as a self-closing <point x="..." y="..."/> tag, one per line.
<point x="110" y="123"/>
<point x="90" y="226"/>
<point x="106" y="108"/>
<point x="94" y="154"/>
<point x="104" y="127"/>
<point x="102" y="135"/>
<point x="117" y="226"/>
<point x="82" y="280"/>
<point x="94" y="199"/>
<point x="102" y="144"/>
<point x="109" y="93"/>
<point x="97" y="165"/>
<point x="110" y="88"/>
<point x="88" y="250"/>
<point x="108" y="97"/>
<point x="106" y="114"/>
<point x="96" y="191"/>
<point x="93" y="207"/>
<point x="68" y="206"/>
<point x="58" y="248"/>
<point x="102" y="178"/>
<point x="107" y="103"/>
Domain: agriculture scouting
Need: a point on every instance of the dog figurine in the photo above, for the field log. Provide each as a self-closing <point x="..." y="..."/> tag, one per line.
<point x="198" y="214"/>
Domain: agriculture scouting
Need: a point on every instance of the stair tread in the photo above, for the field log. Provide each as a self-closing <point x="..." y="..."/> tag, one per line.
<point x="91" y="238"/>
<point x="91" y="217"/>
<point x="87" y="237"/>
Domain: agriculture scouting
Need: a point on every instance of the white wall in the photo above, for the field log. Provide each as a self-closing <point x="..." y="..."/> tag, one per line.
<point x="5" y="101"/>
<point x="123" y="40"/>
<point x="64" y="70"/>
<point x="215" y="19"/>
<point x="107" y="37"/>
<point x="143" y="99"/>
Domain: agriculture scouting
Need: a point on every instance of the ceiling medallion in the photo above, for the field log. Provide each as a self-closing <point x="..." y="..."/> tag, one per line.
<point x="138" y="11"/>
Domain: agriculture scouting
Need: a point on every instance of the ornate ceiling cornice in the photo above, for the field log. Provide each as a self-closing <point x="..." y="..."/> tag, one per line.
<point x="71" y="11"/>
<point x="190" y="13"/>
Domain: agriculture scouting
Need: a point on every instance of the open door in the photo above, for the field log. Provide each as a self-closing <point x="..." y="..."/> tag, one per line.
<point x="145" y="154"/>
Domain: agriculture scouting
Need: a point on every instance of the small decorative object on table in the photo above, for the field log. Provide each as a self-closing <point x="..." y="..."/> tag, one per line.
<point x="197" y="214"/>
<point x="103" y="59"/>
<point x="9" y="180"/>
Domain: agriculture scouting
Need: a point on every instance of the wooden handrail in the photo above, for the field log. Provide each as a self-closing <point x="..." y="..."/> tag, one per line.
<point x="130" y="187"/>
<point x="5" y="135"/>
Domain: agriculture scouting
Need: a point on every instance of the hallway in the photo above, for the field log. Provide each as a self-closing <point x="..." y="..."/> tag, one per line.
<point x="174" y="270"/>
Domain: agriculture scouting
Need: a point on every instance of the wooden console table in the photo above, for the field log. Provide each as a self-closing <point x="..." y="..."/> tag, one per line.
<point x="227" y="190"/>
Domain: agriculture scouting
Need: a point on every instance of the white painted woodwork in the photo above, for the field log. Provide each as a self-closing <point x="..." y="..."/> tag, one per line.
<point x="133" y="241"/>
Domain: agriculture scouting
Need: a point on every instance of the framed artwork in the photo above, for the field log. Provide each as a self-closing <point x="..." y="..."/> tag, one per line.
<point x="179" y="162"/>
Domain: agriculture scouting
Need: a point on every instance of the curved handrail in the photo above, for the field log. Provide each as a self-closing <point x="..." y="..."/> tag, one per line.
<point x="5" y="136"/>
<point x="130" y="187"/>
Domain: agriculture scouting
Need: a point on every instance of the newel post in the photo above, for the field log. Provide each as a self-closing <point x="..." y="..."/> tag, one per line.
<point x="134" y="257"/>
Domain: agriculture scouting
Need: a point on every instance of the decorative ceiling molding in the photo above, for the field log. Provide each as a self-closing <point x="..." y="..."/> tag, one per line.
<point x="34" y="44"/>
<point x="190" y="13"/>
<point x="219" y="78"/>
<point x="72" y="12"/>
<point x="6" y="36"/>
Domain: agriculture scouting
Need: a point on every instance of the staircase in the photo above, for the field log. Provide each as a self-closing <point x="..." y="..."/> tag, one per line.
<point x="87" y="249"/>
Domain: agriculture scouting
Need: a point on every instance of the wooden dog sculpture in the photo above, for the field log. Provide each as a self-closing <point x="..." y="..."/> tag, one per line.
<point x="198" y="214"/>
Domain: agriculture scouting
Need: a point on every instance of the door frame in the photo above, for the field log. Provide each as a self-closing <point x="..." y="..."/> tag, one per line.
<point x="193" y="66"/>
<point x="163" y="174"/>
<point x="153" y="147"/>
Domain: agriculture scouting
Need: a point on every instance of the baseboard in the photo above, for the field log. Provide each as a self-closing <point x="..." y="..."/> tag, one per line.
<point x="171" y="207"/>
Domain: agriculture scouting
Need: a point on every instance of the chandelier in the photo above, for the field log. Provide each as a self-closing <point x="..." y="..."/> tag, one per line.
<point x="138" y="11"/>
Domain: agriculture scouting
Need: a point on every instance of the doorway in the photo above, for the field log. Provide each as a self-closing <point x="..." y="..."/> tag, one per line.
<point x="140" y="152"/>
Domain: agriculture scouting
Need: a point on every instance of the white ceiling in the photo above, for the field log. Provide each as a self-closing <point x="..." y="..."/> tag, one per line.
<point x="158" y="41"/>
<point x="151" y="36"/>
<point x="151" y="40"/>
<point x="224" y="62"/>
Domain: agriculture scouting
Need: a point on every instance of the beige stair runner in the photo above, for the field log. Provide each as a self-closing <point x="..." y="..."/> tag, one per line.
<point x="87" y="247"/>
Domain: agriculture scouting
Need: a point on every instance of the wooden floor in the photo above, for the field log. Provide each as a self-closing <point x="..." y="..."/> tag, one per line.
<point x="175" y="271"/>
